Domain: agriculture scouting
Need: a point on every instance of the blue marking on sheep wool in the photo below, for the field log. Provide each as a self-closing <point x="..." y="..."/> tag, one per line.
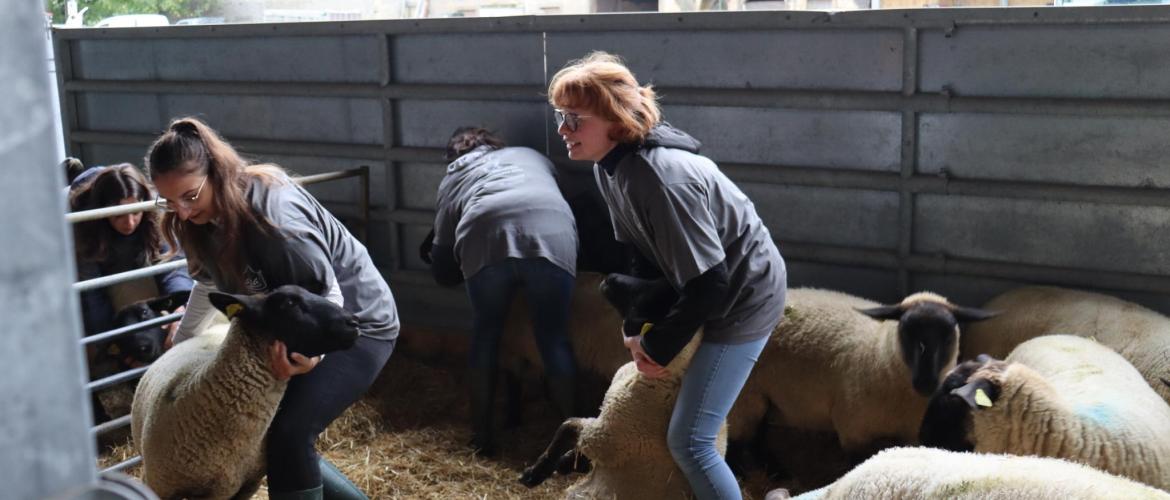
<point x="1099" y="413"/>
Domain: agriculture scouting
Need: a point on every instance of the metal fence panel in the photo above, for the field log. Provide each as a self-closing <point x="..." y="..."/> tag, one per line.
<point x="429" y="123"/>
<point x="1093" y="60"/>
<point x="468" y="58"/>
<point x="1080" y="150"/>
<point x="865" y="59"/>
<point x="261" y="59"/>
<point x="861" y="140"/>
<point x="813" y="215"/>
<point x="1077" y="235"/>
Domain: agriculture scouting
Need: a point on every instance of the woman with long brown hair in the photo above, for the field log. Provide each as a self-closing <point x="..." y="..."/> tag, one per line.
<point x="250" y="229"/>
<point x="119" y="243"/>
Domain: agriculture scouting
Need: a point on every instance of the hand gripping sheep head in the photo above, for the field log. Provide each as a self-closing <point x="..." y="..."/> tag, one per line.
<point x="307" y="323"/>
<point x="928" y="334"/>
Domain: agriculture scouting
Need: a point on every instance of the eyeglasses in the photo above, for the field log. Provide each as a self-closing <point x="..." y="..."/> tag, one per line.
<point x="187" y="203"/>
<point x="569" y="120"/>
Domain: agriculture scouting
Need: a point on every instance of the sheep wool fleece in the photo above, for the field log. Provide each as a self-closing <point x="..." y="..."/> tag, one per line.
<point x="931" y="473"/>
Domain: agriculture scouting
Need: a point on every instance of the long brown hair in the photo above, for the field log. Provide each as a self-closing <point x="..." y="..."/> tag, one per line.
<point x="92" y="239"/>
<point x="602" y="84"/>
<point x="190" y="147"/>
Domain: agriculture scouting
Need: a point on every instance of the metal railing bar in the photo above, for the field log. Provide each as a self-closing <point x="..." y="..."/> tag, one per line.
<point x="116" y="379"/>
<point x="105" y="427"/>
<point x="119" y="467"/>
<point x="328" y="176"/>
<point x="142" y="206"/>
<point x="84" y="286"/>
<point x="102" y="213"/>
<point x="118" y="332"/>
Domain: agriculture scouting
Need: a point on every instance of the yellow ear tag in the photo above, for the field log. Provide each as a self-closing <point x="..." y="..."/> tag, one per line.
<point x="113" y="350"/>
<point x="233" y="310"/>
<point x="646" y="328"/>
<point x="981" y="398"/>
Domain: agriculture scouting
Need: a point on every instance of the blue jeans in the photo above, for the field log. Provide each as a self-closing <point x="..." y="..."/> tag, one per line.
<point x="712" y="382"/>
<point x="548" y="289"/>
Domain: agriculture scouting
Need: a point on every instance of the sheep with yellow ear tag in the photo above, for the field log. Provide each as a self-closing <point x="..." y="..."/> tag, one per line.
<point x="1057" y="396"/>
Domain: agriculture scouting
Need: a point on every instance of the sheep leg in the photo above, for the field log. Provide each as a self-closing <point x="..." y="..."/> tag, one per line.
<point x="564" y="441"/>
<point x="573" y="461"/>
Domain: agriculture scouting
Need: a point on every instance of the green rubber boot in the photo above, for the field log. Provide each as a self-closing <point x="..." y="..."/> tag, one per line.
<point x="336" y="485"/>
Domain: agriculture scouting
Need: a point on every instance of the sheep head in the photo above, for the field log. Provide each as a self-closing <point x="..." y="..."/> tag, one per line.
<point x="144" y="346"/>
<point x="307" y="323"/>
<point x="928" y="334"/>
<point x="971" y="386"/>
<point x="638" y="300"/>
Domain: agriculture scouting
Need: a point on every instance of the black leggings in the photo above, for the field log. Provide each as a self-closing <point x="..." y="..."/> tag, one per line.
<point x="312" y="401"/>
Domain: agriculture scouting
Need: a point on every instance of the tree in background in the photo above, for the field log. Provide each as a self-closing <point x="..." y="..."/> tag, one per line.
<point x="101" y="9"/>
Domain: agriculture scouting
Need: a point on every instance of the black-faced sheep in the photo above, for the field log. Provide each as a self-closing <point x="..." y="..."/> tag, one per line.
<point x="1056" y="396"/>
<point x="626" y="444"/>
<point x="931" y="473"/>
<point x="128" y="351"/>
<point x="201" y="412"/>
<point x="1140" y="335"/>
<point x="844" y="364"/>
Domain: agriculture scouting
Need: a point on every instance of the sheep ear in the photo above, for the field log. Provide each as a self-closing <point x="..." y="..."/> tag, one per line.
<point x="169" y="302"/>
<point x="231" y="305"/>
<point x="978" y="394"/>
<point x="883" y="312"/>
<point x="972" y="314"/>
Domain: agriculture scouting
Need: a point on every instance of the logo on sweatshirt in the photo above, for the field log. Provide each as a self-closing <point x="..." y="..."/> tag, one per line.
<point x="254" y="280"/>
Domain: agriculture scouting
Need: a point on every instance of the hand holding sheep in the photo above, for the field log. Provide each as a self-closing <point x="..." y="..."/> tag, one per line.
<point x="285" y="365"/>
<point x="646" y="366"/>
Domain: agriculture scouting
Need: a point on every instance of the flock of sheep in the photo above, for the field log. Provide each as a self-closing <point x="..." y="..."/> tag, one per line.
<point x="1042" y="393"/>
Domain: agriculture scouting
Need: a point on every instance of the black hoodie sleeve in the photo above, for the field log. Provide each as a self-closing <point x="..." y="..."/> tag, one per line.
<point x="444" y="267"/>
<point x="639" y="266"/>
<point x="699" y="297"/>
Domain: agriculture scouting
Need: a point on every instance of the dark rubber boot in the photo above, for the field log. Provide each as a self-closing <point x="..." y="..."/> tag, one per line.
<point x="336" y="485"/>
<point x="309" y="494"/>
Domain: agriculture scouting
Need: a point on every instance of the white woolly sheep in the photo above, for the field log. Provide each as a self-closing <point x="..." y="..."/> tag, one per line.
<point x="832" y="364"/>
<point x="626" y="444"/>
<point x="1140" y="335"/>
<point x="1057" y="396"/>
<point x="201" y="412"/>
<point x="931" y="473"/>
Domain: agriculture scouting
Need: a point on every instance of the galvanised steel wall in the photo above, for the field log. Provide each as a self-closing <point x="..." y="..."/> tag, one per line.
<point x="961" y="150"/>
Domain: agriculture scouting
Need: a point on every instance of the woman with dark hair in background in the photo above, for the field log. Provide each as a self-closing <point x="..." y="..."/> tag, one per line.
<point x="250" y="229"/>
<point x="502" y="224"/>
<point x="119" y="243"/>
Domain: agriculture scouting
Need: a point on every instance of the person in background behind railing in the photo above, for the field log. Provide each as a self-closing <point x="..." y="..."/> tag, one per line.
<point x="250" y="229"/>
<point x="502" y="224"/>
<point x="118" y="244"/>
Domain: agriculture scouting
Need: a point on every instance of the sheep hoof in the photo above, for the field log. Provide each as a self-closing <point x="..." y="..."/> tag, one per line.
<point x="777" y="494"/>
<point x="532" y="478"/>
